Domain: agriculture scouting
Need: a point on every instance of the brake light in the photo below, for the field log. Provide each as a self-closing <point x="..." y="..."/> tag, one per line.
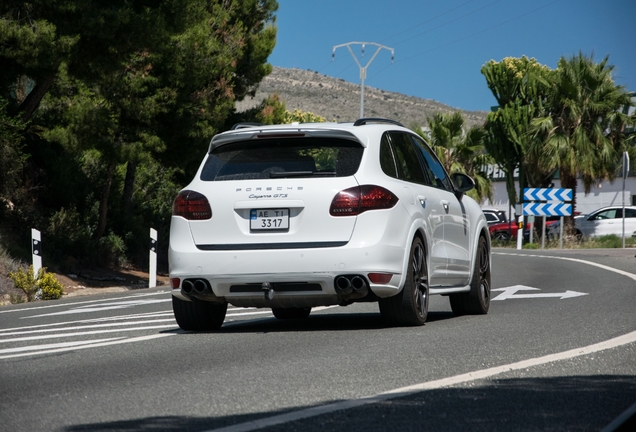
<point x="358" y="199"/>
<point x="192" y="206"/>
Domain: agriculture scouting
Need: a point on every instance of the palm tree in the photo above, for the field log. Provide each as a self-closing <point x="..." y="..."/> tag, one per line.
<point x="461" y="151"/>
<point x="578" y="135"/>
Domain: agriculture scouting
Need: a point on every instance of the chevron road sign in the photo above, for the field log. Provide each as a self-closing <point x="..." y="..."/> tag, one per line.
<point x="547" y="194"/>
<point x="547" y="209"/>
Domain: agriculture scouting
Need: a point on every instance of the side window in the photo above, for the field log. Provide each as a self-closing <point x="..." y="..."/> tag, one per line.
<point x="406" y="159"/>
<point x="387" y="162"/>
<point x="629" y="213"/>
<point x="606" y="214"/>
<point x="433" y="166"/>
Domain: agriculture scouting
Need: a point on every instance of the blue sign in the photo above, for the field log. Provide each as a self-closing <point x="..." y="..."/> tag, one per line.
<point x="547" y="194"/>
<point x="547" y="209"/>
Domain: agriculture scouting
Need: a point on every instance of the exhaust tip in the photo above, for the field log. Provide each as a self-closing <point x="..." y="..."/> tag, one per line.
<point x="343" y="285"/>
<point x="187" y="286"/>
<point x="358" y="284"/>
<point x="201" y="286"/>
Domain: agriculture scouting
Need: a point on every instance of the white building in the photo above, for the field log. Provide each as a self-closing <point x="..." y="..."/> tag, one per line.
<point x="601" y="195"/>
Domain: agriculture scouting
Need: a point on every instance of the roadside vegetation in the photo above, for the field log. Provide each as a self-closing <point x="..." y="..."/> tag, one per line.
<point x="610" y="241"/>
<point x="105" y="113"/>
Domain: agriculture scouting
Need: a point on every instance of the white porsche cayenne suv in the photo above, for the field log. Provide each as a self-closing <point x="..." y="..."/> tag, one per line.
<point x="291" y="217"/>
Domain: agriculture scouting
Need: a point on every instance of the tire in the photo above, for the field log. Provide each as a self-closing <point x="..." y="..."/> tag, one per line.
<point x="410" y="306"/>
<point x="198" y="315"/>
<point x="477" y="301"/>
<point x="291" y="313"/>
<point x="501" y="236"/>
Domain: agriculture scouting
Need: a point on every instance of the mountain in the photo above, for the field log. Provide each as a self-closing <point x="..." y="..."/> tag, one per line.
<point x="339" y="100"/>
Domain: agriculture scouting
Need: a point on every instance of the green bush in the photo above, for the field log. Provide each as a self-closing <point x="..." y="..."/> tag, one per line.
<point x="25" y="281"/>
<point x="50" y="287"/>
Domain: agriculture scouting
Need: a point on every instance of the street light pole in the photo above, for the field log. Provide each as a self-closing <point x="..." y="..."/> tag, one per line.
<point x="363" y="69"/>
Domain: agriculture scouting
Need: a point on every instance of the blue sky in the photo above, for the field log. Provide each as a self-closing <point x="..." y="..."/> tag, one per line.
<point x="440" y="46"/>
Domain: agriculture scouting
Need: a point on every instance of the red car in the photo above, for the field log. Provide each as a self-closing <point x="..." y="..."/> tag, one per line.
<point x="508" y="230"/>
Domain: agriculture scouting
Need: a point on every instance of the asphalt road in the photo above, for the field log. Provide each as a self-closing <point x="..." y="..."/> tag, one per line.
<point x="540" y="360"/>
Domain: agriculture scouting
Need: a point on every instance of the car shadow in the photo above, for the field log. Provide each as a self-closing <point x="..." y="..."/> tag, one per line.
<point x="316" y="322"/>
<point x="555" y="403"/>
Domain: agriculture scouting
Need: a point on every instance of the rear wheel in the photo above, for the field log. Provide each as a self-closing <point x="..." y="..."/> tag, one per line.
<point x="477" y="301"/>
<point x="291" y="313"/>
<point x="198" y="315"/>
<point x="410" y="306"/>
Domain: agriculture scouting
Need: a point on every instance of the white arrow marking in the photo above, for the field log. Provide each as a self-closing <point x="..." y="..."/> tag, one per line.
<point x="511" y="293"/>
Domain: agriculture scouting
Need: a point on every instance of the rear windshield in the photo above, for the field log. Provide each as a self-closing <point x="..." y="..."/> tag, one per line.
<point x="283" y="158"/>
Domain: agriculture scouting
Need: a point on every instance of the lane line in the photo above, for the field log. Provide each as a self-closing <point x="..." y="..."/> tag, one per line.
<point x="604" y="267"/>
<point x="120" y="324"/>
<point x="82" y="302"/>
<point x="87" y="333"/>
<point x="429" y="385"/>
<point x="102" y="344"/>
<point x="56" y="345"/>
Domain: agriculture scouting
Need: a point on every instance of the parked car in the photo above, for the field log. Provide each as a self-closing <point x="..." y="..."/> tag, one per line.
<point x="604" y="221"/>
<point x="505" y="231"/>
<point x="494" y="216"/>
<point x="290" y="217"/>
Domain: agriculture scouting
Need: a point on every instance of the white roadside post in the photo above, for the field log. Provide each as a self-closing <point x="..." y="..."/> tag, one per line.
<point x="625" y="172"/>
<point x="519" y="222"/>
<point x="36" y="250"/>
<point x="520" y="233"/>
<point x="152" y="282"/>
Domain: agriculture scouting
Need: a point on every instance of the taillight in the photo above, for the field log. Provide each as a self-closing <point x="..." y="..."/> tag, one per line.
<point x="358" y="199"/>
<point x="192" y="206"/>
<point x="380" y="278"/>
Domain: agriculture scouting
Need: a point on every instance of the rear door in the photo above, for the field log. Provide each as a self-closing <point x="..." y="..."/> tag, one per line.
<point x="399" y="159"/>
<point x="456" y="222"/>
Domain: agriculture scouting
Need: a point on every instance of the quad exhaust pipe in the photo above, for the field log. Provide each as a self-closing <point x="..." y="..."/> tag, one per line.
<point x="351" y="286"/>
<point x="200" y="289"/>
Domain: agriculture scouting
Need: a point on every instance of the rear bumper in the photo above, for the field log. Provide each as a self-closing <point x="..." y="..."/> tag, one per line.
<point x="380" y="252"/>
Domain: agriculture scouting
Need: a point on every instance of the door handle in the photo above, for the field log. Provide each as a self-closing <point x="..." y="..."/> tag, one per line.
<point x="422" y="200"/>
<point x="446" y="206"/>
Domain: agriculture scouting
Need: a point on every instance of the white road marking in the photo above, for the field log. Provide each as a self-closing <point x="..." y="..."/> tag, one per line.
<point x="106" y="306"/>
<point x="429" y="385"/>
<point x="510" y="293"/>
<point x="126" y="323"/>
<point x="56" y="345"/>
<point x="102" y="344"/>
<point x="54" y="305"/>
<point x="86" y="333"/>
<point x="604" y="267"/>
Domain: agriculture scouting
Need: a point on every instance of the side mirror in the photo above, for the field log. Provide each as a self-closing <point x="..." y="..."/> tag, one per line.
<point x="462" y="182"/>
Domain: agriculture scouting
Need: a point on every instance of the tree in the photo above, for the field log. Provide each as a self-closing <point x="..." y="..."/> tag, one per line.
<point x="581" y="132"/>
<point x="520" y="86"/>
<point x="125" y="84"/>
<point x="460" y="151"/>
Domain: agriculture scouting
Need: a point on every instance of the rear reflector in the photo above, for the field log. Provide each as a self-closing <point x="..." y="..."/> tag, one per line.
<point x="175" y="282"/>
<point x="358" y="199"/>
<point x="192" y="206"/>
<point x="380" y="278"/>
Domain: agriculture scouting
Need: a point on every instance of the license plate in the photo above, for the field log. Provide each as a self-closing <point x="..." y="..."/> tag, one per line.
<point x="269" y="219"/>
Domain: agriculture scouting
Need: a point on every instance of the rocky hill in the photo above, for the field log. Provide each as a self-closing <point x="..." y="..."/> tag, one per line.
<point x="337" y="99"/>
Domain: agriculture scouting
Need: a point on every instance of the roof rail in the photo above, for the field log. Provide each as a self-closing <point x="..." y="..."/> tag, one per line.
<point x="244" y="125"/>
<point x="364" y="121"/>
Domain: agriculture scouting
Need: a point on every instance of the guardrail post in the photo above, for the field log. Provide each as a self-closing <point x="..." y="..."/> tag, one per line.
<point x="152" y="272"/>
<point x="36" y="251"/>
